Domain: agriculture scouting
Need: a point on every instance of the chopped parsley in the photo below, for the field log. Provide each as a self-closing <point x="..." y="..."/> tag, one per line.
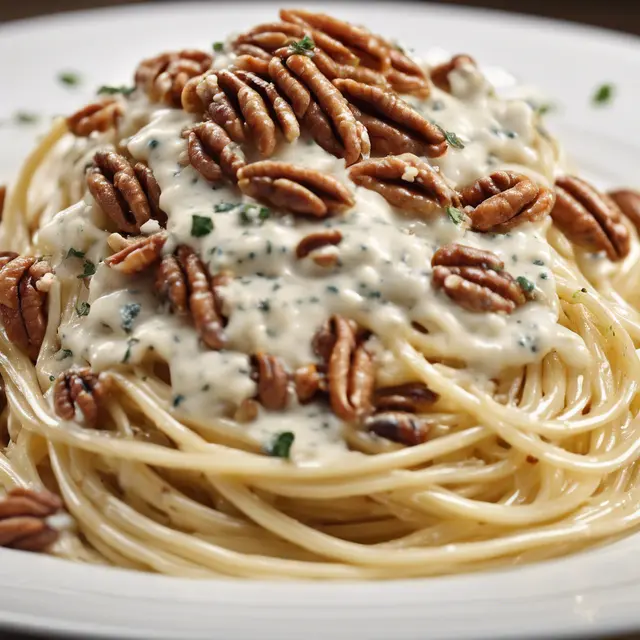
<point x="303" y="47"/>
<point x="248" y="211"/>
<point x="332" y="289"/>
<point x="264" y="305"/>
<point x="83" y="309"/>
<point x="218" y="46"/>
<point x="280" y="446"/>
<point x="88" y="269"/>
<point x="75" y="253"/>
<point x="178" y="400"/>
<point x="201" y="226"/>
<point x="525" y="284"/>
<point x="52" y="378"/>
<point x="264" y="213"/>
<point x="455" y="215"/>
<point x="26" y="117"/>
<point x="70" y="78"/>
<point x="65" y="353"/>
<point x="539" y="263"/>
<point x="577" y="293"/>
<point x="603" y="94"/>
<point x="451" y="137"/>
<point x="127" y="353"/>
<point x="544" y="108"/>
<point x="128" y="313"/>
<point x="108" y="90"/>
<point x="223" y="207"/>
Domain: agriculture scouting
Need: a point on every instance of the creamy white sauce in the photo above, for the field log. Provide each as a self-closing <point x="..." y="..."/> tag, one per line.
<point x="276" y="302"/>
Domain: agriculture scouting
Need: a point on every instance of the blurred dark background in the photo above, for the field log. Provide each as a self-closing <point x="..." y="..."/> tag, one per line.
<point x="623" y="15"/>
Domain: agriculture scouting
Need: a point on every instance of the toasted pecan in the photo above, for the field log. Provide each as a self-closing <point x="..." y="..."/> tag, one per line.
<point x="628" y="202"/>
<point x="411" y="397"/>
<point x="81" y="389"/>
<point x="297" y="189"/>
<point x="312" y="243"/>
<point x="399" y="426"/>
<point x="406" y="182"/>
<point x="139" y="255"/>
<point x="405" y="76"/>
<point x="272" y="379"/>
<point x="128" y="194"/>
<point x="164" y="76"/>
<point x="505" y="199"/>
<point x="309" y="380"/>
<point x="383" y="105"/>
<point x="23" y="514"/>
<point x="212" y="153"/>
<point x="97" y="116"/>
<point x="475" y="279"/>
<point x="440" y="73"/>
<point x="589" y="218"/>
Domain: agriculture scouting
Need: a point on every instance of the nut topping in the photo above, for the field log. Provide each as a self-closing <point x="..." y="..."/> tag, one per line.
<point x="128" y="194"/>
<point x="23" y="514"/>
<point x="139" y="255"/>
<point x="98" y="116"/>
<point x="272" y="379"/>
<point x="440" y="74"/>
<point x="310" y="244"/>
<point x="628" y="202"/>
<point x="308" y="382"/>
<point x="81" y="389"/>
<point x="411" y="397"/>
<point x="299" y="190"/>
<point x="503" y="200"/>
<point x="475" y="279"/>
<point x="397" y="426"/>
<point x="212" y="153"/>
<point x="589" y="218"/>
<point x="384" y="105"/>
<point x="405" y="182"/>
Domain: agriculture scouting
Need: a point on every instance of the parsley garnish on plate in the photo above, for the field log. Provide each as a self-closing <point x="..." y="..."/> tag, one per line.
<point x="69" y="78"/>
<point x="603" y="95"/>
<point x="456" y="215"/>
<point x="280" y="446"/>
<point x="303" y="47"/>
<point x="201" y="226"/>
<point x="108" y="90"/>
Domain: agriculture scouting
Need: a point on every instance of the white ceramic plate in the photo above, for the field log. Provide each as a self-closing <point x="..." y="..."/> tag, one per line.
<point x="584" y="595"/>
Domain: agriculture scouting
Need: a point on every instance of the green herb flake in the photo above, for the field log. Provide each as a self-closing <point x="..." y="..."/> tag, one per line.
<point x="303" y="47"/>
<point x="577" y="293"/>
<point x="69" y="78"/>
<point x="108" y="90"/>
<point x="201" y="226"/>
<point x="52" y="378"/>
<point x="544" y="108"/>
<point x="223" y="207"/>
<point x="83" y="309"/>
<point x="525" y="284"/>
<point x="264" y="305"/>
<point x="65" y="353"/>
<point x="332" y="289"/>
<point x="178" y="400"/>
<point x="280" y="446"/>
<point x="218" y="46"/>
<point x="127" y="353"/>
<point x="455" y="215"/>
<point x="603" y="95"/>
<point x="75" y="253"/>
<point x="451" y="137"/>
<point x="128" y="313"/>
<point x="264" y="213"/>
<point x="26" y="117"/>
<point x="245" y="218"/>
<point x="88" y="269"/>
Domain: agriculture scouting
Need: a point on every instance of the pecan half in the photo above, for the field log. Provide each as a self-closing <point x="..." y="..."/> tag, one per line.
<point x="628" y="202"/>
<point x="308" y="382"/>
<point x="440" y="73"/>
<point x="475" y="279"/>
<point x="503" y="200"/>
<point x="411" y="397"/>
<point x="298" y="96"/>
<point x="310" y="244"/>
<point x="163" y="77"/>
<point x="22" y="301"/>
<point x="81" y="389"/>
<point x="383" y="105"/>
<point x="406" y="182"/>
<point x="97" y="116"/>
<point x="184" y="281"/>
<point x="139" y="255"/>
<point x="589" y="218"/>
<point x="401" y="427"/>
<point x="348" y="131"/>
<point x="127" y="194"/>
<point x="253" y="61"/>
<point x="297" y="189"/>
<point x="350" y="371"/>
<point x="212" y="153"/>
<point x="272" y="379"/>
<point x="23" y="514"/>
<point x="405" y="76"/>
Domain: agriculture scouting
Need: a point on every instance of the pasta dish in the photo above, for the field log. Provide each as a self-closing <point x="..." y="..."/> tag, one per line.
<point x="305" y="306"/>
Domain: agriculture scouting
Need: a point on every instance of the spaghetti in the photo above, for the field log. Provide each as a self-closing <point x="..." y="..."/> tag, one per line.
<point x="310" y="314"/>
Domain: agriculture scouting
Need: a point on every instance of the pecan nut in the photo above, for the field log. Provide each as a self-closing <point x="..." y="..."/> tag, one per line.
<point x="127" y="194"/>
<point x="440" y="73"/>
<point x="313" y="243"/>
<point x="397" y="426"/>
<point x="184" y="281"/>
<point x="589" y="218"/>
<point x="297" y="189"/>
<point x="97" y="116"/>
<point x="273" y="381"/>
<point x="23" y="514"/>
<point x="212" y="153"/>
<point x="139" y="255"/>
<point x="406" y="182"/>
<point x="308" y="382"/>
<point x="405" y="76"/>
<point x="411" y="397"/>
<point x="504" y="200"/>
<point x="82" y="390"/>
<point x="628" y="202"/>
<point x="475" y="279"/>
<point x="385" y="106"/>
<point x="164" y="77"/>
<point x="22" y="301"/>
